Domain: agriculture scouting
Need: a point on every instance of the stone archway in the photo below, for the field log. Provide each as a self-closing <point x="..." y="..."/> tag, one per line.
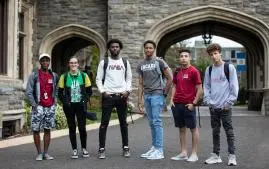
<point x="232" y="20"/>
<point x="69" y="31"/>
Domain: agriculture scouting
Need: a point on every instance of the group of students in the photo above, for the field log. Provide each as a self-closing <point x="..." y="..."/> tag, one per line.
<point x="114" y="81"/>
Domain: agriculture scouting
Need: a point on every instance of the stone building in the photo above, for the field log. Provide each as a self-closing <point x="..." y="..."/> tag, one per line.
<point x="64" y="27"/>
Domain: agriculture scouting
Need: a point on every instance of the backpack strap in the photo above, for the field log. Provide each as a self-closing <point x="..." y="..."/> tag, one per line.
<point x="104" y="69"/>
<point x="226" y="71"/>
<point x="159" y="71"/>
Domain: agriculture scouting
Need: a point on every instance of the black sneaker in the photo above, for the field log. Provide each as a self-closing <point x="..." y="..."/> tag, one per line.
<point x="102" y="153"/>
<point x="126" y="152"/>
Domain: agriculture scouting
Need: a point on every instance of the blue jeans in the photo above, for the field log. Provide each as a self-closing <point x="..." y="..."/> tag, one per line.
<point x="154" y="106"/>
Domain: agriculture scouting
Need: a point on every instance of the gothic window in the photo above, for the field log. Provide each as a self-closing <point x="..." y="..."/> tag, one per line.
<point x="3" y="37"/>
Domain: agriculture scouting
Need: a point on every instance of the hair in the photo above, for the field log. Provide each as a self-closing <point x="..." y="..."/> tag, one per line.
<point x="151" y="42"/>
<point x="73" y="57"/>
<point x="114" y="41"/>
<point x="213" y="47"/>
<point x="181" y="50"/>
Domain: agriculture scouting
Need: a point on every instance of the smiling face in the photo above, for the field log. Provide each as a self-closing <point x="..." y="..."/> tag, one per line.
<point x="44" y="62"/>
<point x="149" y="50"/>
<point x="73" y="64"/>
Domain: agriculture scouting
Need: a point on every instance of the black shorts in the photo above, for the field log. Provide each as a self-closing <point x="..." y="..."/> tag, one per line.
<point x="183" y="117"/>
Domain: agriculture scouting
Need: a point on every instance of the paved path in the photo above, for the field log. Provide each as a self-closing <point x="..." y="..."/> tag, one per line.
<point x="252" y="144"/>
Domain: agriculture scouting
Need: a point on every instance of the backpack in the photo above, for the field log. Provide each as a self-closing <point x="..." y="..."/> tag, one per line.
<point x="105" y="66"/>
<point x="226" y="71"/>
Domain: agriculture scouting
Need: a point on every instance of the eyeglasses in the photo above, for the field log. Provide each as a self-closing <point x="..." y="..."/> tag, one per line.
<point x="73" y="62"/>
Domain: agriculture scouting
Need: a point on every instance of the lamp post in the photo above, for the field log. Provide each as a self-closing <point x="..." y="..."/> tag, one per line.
<point x="206" y="34"/>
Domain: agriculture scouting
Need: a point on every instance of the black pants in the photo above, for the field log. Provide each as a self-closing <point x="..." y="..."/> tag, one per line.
<point x="108" y="103"/>
<point x="218" y="116"/>
<point x="76" y="109"/>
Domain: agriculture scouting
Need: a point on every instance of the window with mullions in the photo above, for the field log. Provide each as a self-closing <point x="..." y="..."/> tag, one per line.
<point x="3" y="37"/>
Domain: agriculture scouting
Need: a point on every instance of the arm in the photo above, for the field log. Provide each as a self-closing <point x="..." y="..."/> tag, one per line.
<point x="207" y="87"/>
<point x="99" y="77"/>
<point x="140" y="93"/>
<point x="234" y="87"/>
<point x="61" y="88"/>
<point x="129" y="78"/>
<point x="168" y="76"/>
<point x="88" y="85"/>
<point x="172" y="95"/>
<point x="29" y="93"/>
<point x="199" y="92"/>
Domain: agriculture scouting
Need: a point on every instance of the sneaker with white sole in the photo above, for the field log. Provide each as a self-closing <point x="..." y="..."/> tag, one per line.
<point x="213" y="159"/>
<point x="39" y="157"/>
<point x="232" y="160"/>
<point x="180" y="156"/>
<point x="46" y="156"/>
<point x="102" y="153"/>
<point x="85" y="153"/>
<point x="126" y="152"/>
<point x="75" y="154"/>
<point x="147" y="154"/>
<point x="193" y="158"/>
<point x="156" y="155"/>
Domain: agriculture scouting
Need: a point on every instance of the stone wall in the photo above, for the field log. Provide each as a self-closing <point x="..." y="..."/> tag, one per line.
<point x="53" y="14"/>
<point x="129" y="20"/>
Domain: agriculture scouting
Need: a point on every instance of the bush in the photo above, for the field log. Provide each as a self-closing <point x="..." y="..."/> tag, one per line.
<point x="60" y="119"/>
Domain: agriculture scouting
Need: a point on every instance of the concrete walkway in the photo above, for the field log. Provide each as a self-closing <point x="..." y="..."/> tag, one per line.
<point x="252" y="142"/>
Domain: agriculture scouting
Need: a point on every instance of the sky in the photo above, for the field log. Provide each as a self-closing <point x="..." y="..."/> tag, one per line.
<point x="216" y="39"/>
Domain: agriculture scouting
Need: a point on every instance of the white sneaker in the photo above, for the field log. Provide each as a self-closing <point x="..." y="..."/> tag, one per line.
<point x="232" y="160"/>
<point x="213" y="159"/>
<point x="147" y="154"/>
<point x="46" y="156"/>
<point x="85" y="153"/>
<point x="156" y="155"/>
<point x="193" y="158"/>
<point x="39" y="157"/>
<point x="75" y="154"/>
<point x="180" y="157"/>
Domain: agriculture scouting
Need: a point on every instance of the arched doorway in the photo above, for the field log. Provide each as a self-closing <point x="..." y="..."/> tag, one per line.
<point x="247" y="30"/>
<point x="68" y="40"/>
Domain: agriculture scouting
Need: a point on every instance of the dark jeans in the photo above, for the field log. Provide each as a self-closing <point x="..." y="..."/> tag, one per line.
<point x="108" y="103"/>
<point x="76" y="109"/>
<point x="218" y="116"/>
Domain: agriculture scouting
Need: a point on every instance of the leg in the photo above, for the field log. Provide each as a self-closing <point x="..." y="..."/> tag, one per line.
<point x="190" y="119"/>
<point x="148" y="108"/>
<point x="36" y="136"/>
<point x="183" y="140"/>
<point x="215" y="124"/>
<point x="49" y="124"/>
<point x="107" y="105"/>
<point x="81" y="121"/>
<point x="46" y="140"/>
<point x="70" y="116"/>
<point x="37" y="124"/>
<point x="226" y="117"/>
<point x="121" y="106"/>
<point x="157" y="105"/>
<point x="195" y="139"/>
